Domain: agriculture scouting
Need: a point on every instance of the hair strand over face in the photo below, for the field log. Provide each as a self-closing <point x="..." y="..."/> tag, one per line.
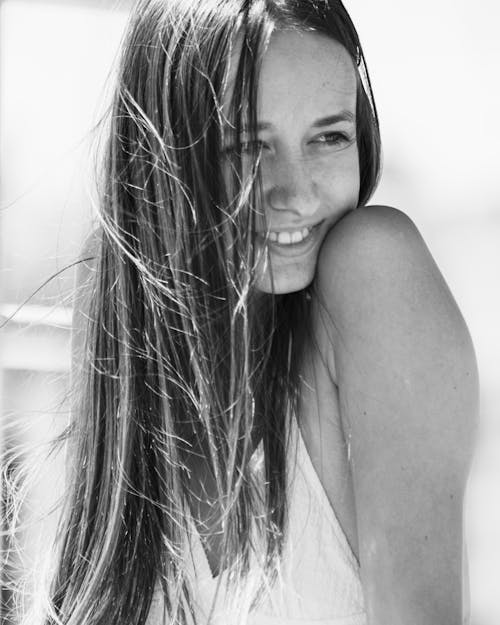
<point x="186" y="367"/>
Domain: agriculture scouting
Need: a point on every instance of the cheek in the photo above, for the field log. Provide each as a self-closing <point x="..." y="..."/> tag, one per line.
<point x="339" y="180"/>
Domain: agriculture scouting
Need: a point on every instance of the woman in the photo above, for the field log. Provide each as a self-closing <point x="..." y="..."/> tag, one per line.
<point x="276" y="388"/>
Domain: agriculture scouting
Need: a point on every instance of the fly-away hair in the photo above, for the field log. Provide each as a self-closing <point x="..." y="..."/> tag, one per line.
<point x="184" y="376"/>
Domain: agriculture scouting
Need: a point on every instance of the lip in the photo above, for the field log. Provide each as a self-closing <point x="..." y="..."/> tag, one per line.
<point x="292" y="229"/>
<point x="294" y="249"/>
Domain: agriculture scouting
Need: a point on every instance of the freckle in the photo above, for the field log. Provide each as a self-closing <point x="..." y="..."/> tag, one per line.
<point x="426" y="537"/>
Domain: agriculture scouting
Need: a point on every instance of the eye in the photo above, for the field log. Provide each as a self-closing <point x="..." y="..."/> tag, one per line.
<point x="332" y="138"/>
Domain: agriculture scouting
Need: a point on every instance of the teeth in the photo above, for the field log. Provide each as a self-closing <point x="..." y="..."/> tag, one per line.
<point x="289" y="238"/>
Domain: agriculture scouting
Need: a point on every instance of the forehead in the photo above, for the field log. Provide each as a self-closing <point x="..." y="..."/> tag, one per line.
<point x="305" y="74"/>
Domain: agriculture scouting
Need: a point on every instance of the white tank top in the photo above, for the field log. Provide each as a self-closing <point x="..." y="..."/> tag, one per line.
<point x="318" y="582"/>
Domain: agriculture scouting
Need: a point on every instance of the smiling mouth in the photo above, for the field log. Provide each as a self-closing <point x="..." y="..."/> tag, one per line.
<point x="290" y="238"/>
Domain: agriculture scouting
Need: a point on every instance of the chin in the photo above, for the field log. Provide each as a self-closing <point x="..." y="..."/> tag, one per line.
<point x="284" y="282"/>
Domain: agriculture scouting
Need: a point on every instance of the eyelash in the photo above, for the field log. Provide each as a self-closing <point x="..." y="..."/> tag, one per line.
<point x="327" y="138"/>
<point x="339" y="137"/>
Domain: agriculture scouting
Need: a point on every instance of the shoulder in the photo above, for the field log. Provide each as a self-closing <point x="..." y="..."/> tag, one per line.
<point x="366" y="240"/>
<point x="396" y="332"/>
<point x="376" y="275"/>
<point x="357" y="258"/>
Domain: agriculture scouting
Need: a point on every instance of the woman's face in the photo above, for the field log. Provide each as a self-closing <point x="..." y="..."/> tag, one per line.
<point x="309" y="158"/>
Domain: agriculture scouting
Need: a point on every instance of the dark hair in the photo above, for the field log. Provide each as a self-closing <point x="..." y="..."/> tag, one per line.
<point x="181" y="359"/>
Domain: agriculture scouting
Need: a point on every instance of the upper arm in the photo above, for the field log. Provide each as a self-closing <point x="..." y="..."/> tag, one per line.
<point x="407" y="380"/>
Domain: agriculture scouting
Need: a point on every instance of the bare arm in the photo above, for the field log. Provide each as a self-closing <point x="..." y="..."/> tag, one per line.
<point x="407" y="379"/>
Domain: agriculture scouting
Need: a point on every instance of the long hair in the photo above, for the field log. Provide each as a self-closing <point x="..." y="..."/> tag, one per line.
<point x="184" y="362"/>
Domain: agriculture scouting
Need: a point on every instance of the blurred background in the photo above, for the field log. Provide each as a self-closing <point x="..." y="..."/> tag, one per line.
<point x="434" y="69"/>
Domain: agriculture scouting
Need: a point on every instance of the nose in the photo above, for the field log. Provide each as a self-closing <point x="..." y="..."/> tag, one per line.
<point x="291" y="187"/>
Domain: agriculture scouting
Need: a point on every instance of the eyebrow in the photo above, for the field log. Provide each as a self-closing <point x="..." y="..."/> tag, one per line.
<point x="343" y="116"/>
<point x="329" y="120"/>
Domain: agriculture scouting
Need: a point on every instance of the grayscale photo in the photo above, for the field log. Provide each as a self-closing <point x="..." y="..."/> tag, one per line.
<point x="249" y="312"/>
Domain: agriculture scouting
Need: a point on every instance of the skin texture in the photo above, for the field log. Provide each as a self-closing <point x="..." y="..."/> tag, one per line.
<point x="310" y="173"/>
